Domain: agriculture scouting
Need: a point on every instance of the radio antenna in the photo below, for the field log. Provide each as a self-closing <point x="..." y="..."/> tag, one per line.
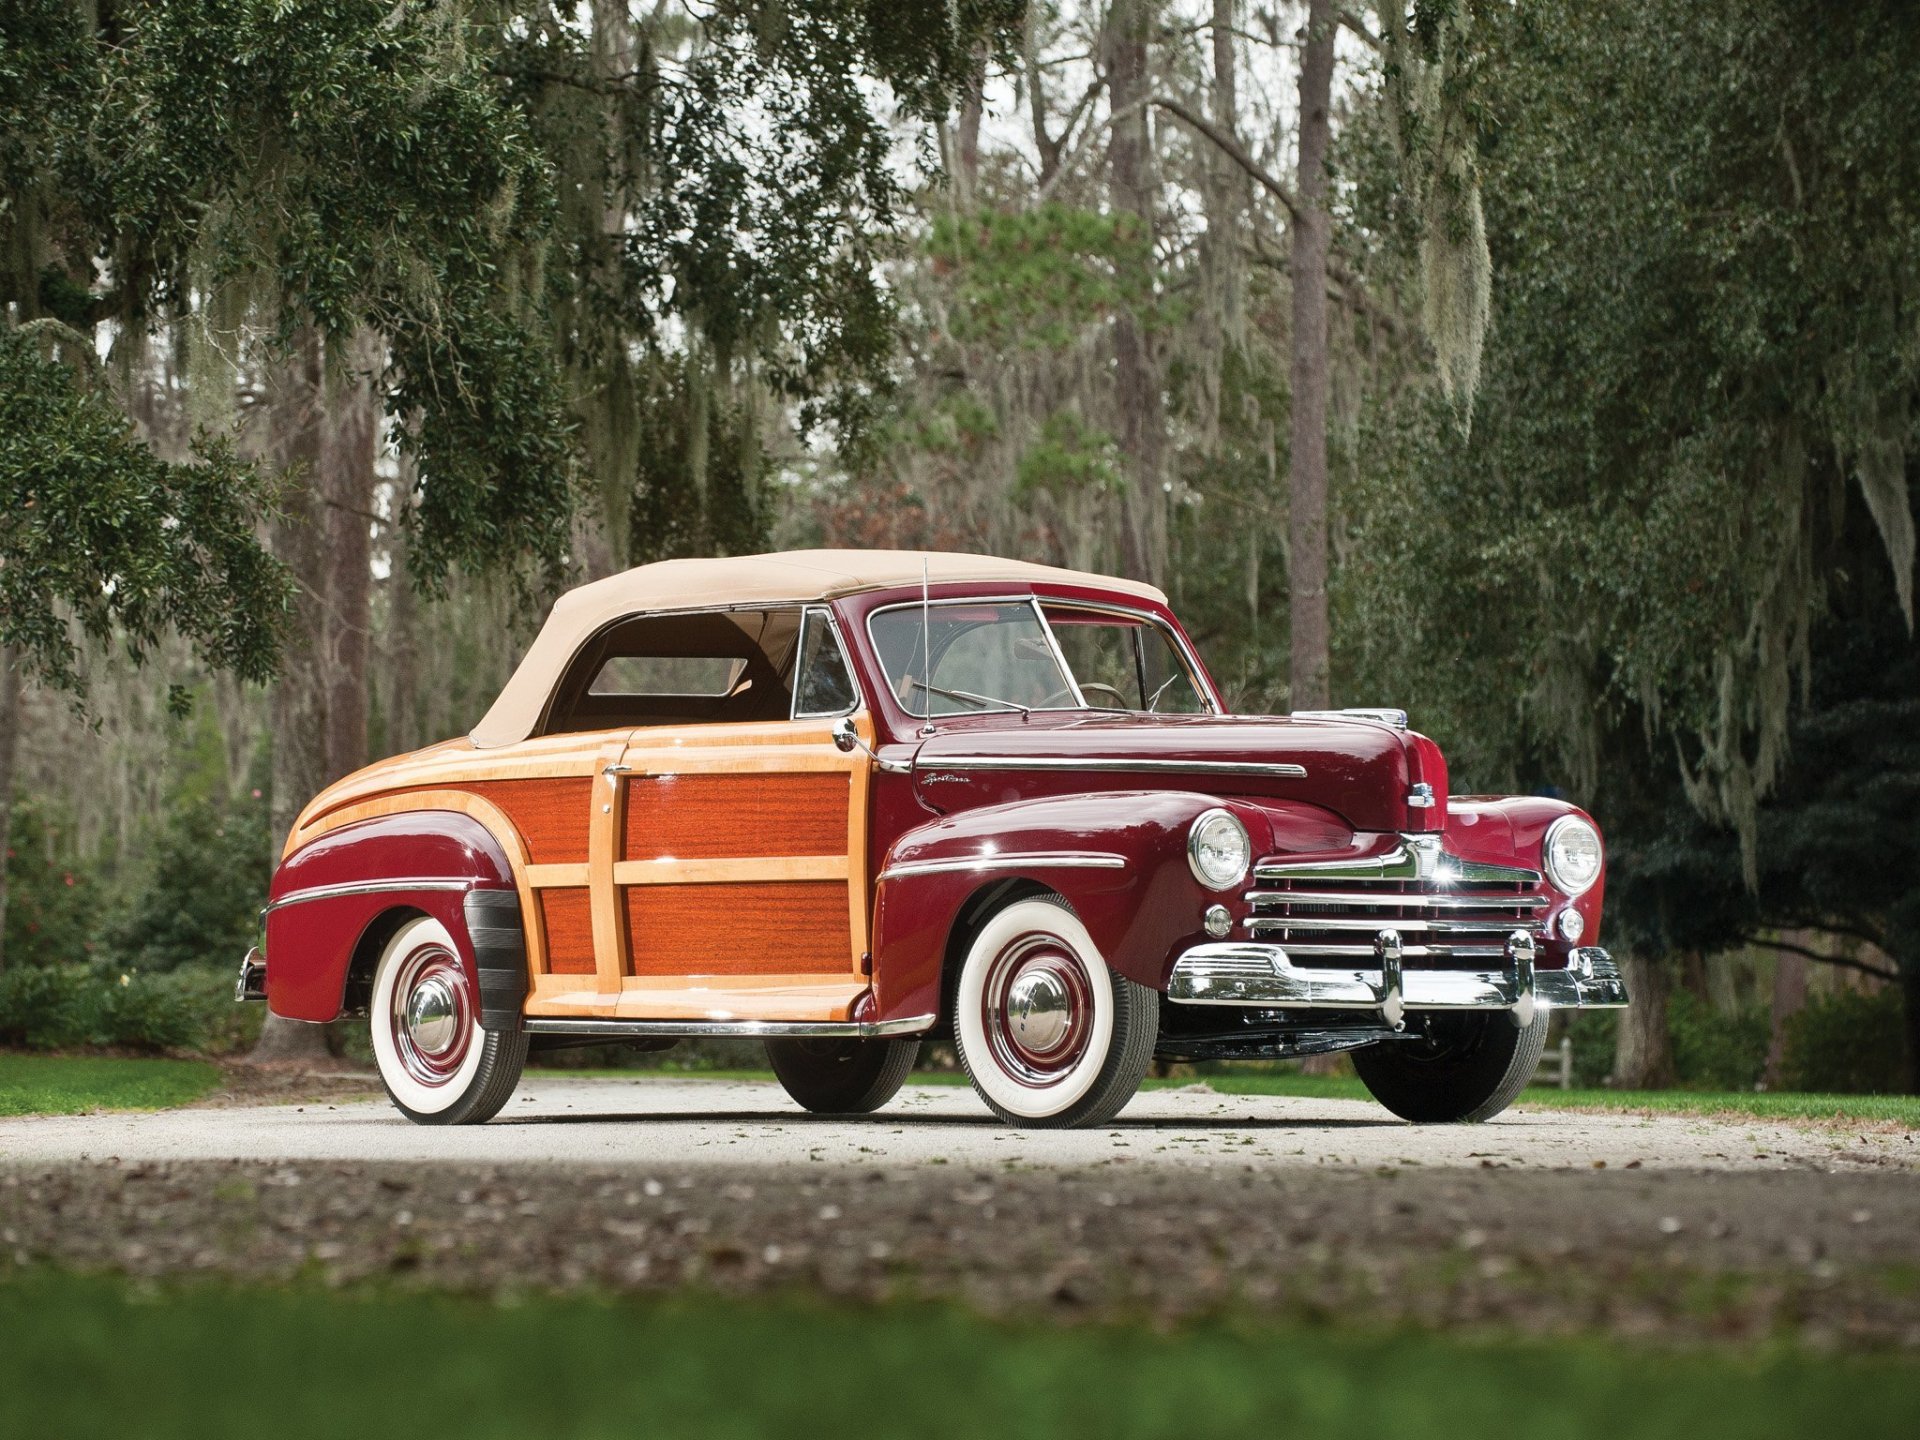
<point x="926" y="644"/>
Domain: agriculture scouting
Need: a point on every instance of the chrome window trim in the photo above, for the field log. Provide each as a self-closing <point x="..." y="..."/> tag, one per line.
<point x="1195" y="671"/>
<point x="1270" y="769"/>
<point x="615" y="1029"/>
<point x="1030" y="601"/>
<point x="1037" y="859"/>
<point x="808" y="617"/>
<point x="367" y="887"/>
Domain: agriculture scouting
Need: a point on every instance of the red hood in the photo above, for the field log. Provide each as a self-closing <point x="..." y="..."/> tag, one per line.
<point x="1358" y="769"/>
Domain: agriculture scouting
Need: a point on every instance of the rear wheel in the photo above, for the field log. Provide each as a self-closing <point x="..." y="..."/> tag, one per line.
<point x="1048" y="1034"/>
<point x="439" y="1066"/>
<point x="1468" y="1066"/>
<point x="842" y="1077"/>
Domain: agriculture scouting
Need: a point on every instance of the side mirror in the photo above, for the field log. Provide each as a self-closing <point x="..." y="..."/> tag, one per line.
<point x="846" y="739"/>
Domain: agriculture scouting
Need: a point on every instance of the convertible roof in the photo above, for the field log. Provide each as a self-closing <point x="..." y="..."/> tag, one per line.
<point x="791" y="577"/>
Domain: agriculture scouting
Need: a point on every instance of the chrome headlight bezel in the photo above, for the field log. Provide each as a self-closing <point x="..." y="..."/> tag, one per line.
<point x="1565" y="876"/>
<point x="1210" y="822"/>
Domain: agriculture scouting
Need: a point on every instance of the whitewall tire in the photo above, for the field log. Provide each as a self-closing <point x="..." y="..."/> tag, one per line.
<point x="1049" y="1035"/>
<point x="439" y="1066"/>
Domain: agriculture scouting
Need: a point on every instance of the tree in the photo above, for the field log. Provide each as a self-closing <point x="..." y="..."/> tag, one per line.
<point x="99" y="535"/>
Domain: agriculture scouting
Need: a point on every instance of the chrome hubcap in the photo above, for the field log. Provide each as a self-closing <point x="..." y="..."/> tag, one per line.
<point x="432" y="1016"/>
<point x="431" y="1019"/>
<point x="1038" y="1009"/>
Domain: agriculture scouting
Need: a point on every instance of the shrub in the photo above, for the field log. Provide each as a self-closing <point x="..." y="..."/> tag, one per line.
<point x="52" y="898"/>
<point x="1848" y="1043"/>
<point x="60" y="1007"/>
<point x="1714" y="1050"/>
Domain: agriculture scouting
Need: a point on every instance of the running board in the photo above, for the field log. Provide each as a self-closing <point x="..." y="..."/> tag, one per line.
<point x="609" y="1029"/>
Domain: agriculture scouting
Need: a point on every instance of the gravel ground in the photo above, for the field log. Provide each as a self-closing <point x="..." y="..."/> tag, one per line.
<point x="668" y="1122"/>
<point x="1194" y="1203"/>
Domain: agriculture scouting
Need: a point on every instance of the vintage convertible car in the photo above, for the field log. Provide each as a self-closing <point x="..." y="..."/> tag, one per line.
<point x="844" y="801"/>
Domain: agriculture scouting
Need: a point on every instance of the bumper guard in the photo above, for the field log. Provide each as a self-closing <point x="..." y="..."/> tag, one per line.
<point x="1246" y="973"/>
<point x="252" y="984"/>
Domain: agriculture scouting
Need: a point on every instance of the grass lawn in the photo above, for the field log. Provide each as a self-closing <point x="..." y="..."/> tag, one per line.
<point x="1902" y="1109"/>
<point x="72" y="1085"/>
<point x="1899" y="1109"/>
<point x="89" y="1356"/>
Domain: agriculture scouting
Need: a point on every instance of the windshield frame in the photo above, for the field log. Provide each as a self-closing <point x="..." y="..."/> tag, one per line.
<point x="1008" y="707"/>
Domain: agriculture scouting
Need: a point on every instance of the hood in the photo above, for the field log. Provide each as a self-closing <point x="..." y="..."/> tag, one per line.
<point x="1361" y="770"/>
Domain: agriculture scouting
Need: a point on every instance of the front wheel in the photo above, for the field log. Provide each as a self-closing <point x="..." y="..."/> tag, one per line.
<point x="439" y="1066"/>
<point x="842" y="1077"/>
<point x="1467" y="1066"/>
<point x="1048" y="1034"/>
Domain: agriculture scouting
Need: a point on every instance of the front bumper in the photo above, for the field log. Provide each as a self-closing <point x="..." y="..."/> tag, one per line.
<point x="252" y="984"/>
<point x="1246" y="973"/>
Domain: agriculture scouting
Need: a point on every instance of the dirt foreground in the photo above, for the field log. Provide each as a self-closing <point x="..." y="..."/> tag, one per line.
<point x="1194" y="1203"/>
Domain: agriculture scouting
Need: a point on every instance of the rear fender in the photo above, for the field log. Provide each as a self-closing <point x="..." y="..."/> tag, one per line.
<point x="334" y="903"/>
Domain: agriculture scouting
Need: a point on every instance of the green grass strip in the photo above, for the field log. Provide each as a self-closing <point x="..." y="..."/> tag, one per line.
<point x="75" y="1084"/>
<point x="87" y="1356"/>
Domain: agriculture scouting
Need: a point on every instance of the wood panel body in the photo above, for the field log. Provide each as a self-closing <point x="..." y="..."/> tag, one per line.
<point x="659" y="869"/>
<point x="756" y="927"/>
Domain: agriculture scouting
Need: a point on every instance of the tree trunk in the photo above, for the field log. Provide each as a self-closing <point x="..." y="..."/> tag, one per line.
<point x="1136" y="374"/>
<point x="1790" y="973"/>
<point x="322" y="435"/>
<point x="1910" y="1013"/>
<point x="1643" y="1054"/>
<point x="966" y="175"/>
<point x="9" y="750"/>
<point x="1307" y="508"/>
<point x="1226" y="183"/>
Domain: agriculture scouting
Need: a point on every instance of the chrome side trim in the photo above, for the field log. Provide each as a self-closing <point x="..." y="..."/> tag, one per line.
<point x="1176" y="767"/>
<point x="613" y="1029"/>
<point x="1039" y="859"/>
<point x="368" y="887"/>
<point x="1265" y="975"/>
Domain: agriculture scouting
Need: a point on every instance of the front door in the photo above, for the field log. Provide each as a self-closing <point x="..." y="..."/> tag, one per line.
<point x="732" y="875"/>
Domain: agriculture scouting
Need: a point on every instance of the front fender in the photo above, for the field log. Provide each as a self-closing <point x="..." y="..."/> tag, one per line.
<point x="334" y="900"/>
<point x="1119" y="858"/>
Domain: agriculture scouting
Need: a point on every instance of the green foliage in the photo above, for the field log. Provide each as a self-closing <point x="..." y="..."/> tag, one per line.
<point x="1851" y="1042"/>
<point x="61" y="1007"/>
<point x="1715" y="1050"/>
<point x="96" y="529"/>
<point x="52" y="893"/>
<point x="1037" y="278"/>
<point x="204" y="874"/>
<point x="1068" y="456"/>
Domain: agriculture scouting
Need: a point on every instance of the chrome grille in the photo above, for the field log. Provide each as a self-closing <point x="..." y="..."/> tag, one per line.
<point x="1446" y="910"/>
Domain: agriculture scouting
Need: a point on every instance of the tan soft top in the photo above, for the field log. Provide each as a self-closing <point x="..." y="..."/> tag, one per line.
<point x="791" y="577"/>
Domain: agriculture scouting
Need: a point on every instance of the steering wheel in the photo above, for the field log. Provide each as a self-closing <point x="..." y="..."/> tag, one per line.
<point x="1120" y="701"/>
<point x="1087" y="687"/>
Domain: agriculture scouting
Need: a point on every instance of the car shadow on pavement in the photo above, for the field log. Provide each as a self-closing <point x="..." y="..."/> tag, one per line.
<point x="890" y="1119"/>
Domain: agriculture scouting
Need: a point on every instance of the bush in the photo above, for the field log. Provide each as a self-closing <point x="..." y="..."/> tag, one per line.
<point x="1713" y="1050"/>
<point x="63" y="1007"/>
<point x="1847" y="1043"/>
<point x="52" y="896"/>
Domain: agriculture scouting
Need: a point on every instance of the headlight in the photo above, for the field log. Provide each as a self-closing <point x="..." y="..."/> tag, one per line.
<point x="1572" y="854"/>
<point x="1218" y="850"/>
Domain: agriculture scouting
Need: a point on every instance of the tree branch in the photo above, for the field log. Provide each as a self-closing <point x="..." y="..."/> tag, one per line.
<point x="1843" y="961"/>
<point x="1231" y="148"/>
<point x="1354" y="23"/>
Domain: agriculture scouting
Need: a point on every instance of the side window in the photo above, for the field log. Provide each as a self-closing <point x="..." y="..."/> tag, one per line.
<point x="699" y="668"/>
<point x="1124" y="663"/>
<point x="823" y="687"/>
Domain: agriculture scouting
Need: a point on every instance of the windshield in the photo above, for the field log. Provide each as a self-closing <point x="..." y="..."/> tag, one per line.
<point x="987" y="655"/>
